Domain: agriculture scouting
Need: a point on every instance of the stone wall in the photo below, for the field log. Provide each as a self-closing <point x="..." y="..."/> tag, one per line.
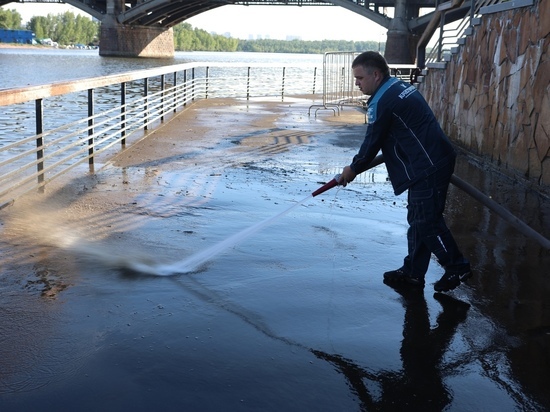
<point x="492" y="97"/>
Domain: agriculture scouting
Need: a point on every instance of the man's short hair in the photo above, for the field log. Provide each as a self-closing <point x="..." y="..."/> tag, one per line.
<point x="372" y="60"/>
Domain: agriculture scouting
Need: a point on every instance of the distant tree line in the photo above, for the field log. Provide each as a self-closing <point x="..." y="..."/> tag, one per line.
<point x="187" y="38"/>
<point x="303" y="46"/>
<point x="67" y="29"/>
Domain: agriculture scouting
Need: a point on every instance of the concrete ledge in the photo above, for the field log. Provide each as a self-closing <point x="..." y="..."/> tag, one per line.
<point x="437" y="65"/>
<point x="509" y="5"/>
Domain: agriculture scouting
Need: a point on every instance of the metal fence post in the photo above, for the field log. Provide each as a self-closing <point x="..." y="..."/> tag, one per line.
<point x="441" y="29"/>
<point x="146" y="106"/>
<point x="206" y="83"/>
<point x="185" y="87"/>
<point x="283" y="85"/>
<point x="175" y="93"/>
<point x="90" y="126"/>
<point x="162" y="78"/>
<point x="193" y="83"/>
<point x="248" y="84"/>
<point x="39" y="110"/>
<point x="123" y="113"/>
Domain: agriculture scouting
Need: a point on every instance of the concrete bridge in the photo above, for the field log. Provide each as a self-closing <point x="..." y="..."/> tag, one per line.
<point x="143" y="28"/>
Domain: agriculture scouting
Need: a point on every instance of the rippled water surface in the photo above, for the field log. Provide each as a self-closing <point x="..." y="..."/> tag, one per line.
<point x="25" y="67"/>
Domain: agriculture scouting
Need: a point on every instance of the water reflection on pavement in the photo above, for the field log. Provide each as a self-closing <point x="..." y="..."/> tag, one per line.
<point x="419" y="384"/>
<point x="295" y="317"/>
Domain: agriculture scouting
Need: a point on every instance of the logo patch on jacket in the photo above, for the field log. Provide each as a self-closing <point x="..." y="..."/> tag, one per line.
<point x="405" y="93"/>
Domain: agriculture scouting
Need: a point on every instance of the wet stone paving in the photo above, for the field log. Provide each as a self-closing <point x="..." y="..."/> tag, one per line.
<point x="292" y="316"/>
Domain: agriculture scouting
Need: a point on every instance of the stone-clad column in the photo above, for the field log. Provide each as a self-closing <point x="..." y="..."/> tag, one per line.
<point x="130" y="40"/>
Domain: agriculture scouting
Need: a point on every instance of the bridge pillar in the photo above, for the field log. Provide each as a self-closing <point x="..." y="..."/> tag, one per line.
<point x="135" y="41"/>
<point x="400" y="42"/>
<point x="121" y="40"/>
<point x="400" y="47"/>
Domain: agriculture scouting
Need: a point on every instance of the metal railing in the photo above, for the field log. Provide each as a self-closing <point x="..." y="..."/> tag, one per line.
<point x="452" y="29"/>
<point x="48" y="130"/>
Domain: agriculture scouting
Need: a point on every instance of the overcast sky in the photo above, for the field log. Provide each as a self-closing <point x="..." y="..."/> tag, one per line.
<point x="244" y="22"/>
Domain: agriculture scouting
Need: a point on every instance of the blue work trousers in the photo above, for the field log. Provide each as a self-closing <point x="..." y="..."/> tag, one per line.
<point x="428" y="233"/>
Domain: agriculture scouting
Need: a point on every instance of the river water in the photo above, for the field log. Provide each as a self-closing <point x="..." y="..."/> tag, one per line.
<point x="25" y="66"/>
<point x="274" y="74"/>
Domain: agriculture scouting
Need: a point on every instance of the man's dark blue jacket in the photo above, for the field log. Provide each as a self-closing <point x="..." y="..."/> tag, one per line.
<point x="403" y="126"/>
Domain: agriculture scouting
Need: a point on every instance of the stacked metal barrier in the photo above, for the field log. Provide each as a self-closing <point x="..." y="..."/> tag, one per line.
<point x="339" y="84"/>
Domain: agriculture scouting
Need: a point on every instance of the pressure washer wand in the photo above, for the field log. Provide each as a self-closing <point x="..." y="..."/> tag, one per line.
<point x="327" y="186"/>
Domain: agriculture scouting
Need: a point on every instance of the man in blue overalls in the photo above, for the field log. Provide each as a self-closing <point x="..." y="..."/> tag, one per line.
<point x="419" y="157"/>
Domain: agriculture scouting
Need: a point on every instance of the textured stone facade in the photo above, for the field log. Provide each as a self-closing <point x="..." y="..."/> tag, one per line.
<point x="135" y="41"/>
<point x="493" y="95"/>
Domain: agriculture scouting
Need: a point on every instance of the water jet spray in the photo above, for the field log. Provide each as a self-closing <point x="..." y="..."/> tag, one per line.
<point x="195" y="261"/>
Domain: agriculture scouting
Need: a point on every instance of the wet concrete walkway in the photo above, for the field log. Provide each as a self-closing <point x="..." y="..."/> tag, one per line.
<point x="295" y="317"/>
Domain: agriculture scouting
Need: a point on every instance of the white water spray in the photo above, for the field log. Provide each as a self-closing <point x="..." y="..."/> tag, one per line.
<point x="194" y="262"/>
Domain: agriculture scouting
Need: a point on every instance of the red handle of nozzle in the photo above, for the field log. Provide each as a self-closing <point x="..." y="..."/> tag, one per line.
<point x="326" y="186"/>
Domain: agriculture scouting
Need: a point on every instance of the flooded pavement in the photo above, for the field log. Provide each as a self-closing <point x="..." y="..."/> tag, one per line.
<point x="294" y="317"/>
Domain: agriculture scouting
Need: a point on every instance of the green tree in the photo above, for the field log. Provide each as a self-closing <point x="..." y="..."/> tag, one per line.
<point x="204" y="40"/>
<point x="41" y="26"/>
<point x="65" y="29"/>
<point x="10" y="19"/>
<point x="187" y="38"/>
<point x="85" y="30"/>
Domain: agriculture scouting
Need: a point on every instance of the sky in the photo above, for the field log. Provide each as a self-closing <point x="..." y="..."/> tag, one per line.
<point x="251" y="22"/>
